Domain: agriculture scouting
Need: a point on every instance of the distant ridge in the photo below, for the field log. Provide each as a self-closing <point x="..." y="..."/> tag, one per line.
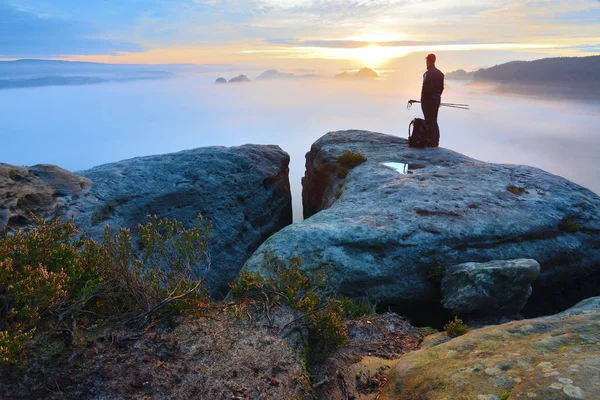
<point x="363" y="73"/>
<point x="561" y="77"/>
<point x="40" y="67"/>
<point x="546" y="70"/>
<point x="560" y="69"/>
<point x="274" y="74"/>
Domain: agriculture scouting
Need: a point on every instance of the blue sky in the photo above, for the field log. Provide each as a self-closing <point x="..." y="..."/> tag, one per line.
<point x="210" y="31"/>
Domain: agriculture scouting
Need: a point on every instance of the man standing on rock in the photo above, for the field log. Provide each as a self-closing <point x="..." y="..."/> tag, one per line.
<point x="431" y="97"/>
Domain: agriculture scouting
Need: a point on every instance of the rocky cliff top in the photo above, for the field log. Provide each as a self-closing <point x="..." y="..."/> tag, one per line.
<point x="548" y="358"/>
<point x="388" y="227"/>
<point x="243" y="191"/>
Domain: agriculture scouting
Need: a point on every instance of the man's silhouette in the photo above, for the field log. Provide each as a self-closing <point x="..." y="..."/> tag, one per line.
<point x="431" y="97"/>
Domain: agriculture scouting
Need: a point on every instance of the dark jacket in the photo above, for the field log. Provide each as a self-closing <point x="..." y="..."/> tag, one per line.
<point x="433" y="85"/>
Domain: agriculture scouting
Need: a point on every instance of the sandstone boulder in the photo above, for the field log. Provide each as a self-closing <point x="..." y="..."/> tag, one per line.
<point x="387" y="228"/>
<point x="496" y="288"/>
<point x="43" y="190"/>
<point x="550" y="358"/>
<point x="243" y="191"/>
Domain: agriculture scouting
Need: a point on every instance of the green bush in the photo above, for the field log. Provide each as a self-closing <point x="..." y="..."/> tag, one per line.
<point x="350" y="159"/>
<point x="51" y="277"/>
<point x="435" y="271"/>
<point x="327" y="329"/>
<point x="515" y="189"/>
<point x="456" y="328"/>
<point x="356" y="309"/>
<point x="44" y="273"/>
<point x="569" y="225"/>
<point x="246" y="285"/>
<point x="323" y="315"/>
<point x="505" y="395"/>
<point x="164" y="275"/>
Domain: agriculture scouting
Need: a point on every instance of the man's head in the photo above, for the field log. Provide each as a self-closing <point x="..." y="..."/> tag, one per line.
<point x="430" y="59"/>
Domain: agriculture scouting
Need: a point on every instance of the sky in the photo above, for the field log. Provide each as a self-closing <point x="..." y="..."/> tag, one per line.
<point x="296" y="34"/>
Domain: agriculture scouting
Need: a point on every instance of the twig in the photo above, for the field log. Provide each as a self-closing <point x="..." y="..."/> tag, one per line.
<point x="304" y="316"/>
<point x="251" y="320"/>
<point x="170" y="298"/>
<point x="267" y="310"/>
<point x="323" y="382"/>
<point x="135" y="336"/>
<point x="343" y="384"/>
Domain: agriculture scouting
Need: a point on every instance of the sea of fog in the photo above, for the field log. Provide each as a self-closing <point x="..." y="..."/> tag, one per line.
<point x="78" y="127"/>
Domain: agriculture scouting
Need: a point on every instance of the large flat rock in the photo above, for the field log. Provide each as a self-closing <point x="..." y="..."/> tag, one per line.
<point x="552" y="358"/>
<point x="243" y="191"/>
<point x="388" y="236"/>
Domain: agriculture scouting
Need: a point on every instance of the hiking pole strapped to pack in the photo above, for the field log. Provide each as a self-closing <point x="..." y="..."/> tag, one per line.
<point x="451" y="105"/>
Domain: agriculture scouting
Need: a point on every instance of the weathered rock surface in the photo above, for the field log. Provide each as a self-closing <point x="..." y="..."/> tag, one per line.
<point x="496" y="288"/>
<point x="388" y="236"/>
<point x="44" y="190"/>
<point x="243" y="191"/>
<point x="548" y="358"/>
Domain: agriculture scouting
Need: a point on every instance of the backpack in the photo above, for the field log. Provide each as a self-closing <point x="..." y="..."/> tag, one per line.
<point x="419" y="137"/>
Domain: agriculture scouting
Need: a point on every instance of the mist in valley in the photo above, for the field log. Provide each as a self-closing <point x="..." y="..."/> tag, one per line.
<point x="78" y="127"/>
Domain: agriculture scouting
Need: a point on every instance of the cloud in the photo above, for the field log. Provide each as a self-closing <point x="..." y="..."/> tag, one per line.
<point x="262" y="28"/>
<point x="347" y="9"/>
<point x="27" y="34"/>
<point x="357" y="44"/>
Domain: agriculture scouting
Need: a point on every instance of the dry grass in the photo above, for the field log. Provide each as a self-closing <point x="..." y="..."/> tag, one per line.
<point x="228" y="352"/>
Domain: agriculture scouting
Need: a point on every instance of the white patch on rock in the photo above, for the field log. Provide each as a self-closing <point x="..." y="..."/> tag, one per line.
<point x="493" y="371"/>
<point x="574" y="392"/>
<point x="451" y="353"/>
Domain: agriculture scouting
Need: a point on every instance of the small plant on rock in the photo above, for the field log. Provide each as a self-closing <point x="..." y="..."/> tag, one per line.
<point x="515" y="189"/>
<point x="435" y="271"/>
<point x="569" y="225"/>
<point x="351" y="159"/>
<point x="456" y="328"/>
<point x="323" y="315"/>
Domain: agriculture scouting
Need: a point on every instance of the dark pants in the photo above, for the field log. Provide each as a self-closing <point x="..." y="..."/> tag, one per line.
<point x="430" y="112"/>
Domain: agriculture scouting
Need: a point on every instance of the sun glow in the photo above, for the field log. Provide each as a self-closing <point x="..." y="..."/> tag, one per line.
<point x="374" y="56"/>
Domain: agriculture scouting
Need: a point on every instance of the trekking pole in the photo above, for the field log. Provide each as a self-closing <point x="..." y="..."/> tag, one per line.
<point x="451" y="105"/>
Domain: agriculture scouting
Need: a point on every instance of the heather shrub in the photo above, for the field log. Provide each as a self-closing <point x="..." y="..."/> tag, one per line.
<point x="322" y="313"/>
<point x="46" y="272"/>
<point x="165" y="273"/>
<point x="53" y="278"/>
<point x="456" y="328"/>
<point x="351" y="159"/>
<point x="569" y="224"/>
